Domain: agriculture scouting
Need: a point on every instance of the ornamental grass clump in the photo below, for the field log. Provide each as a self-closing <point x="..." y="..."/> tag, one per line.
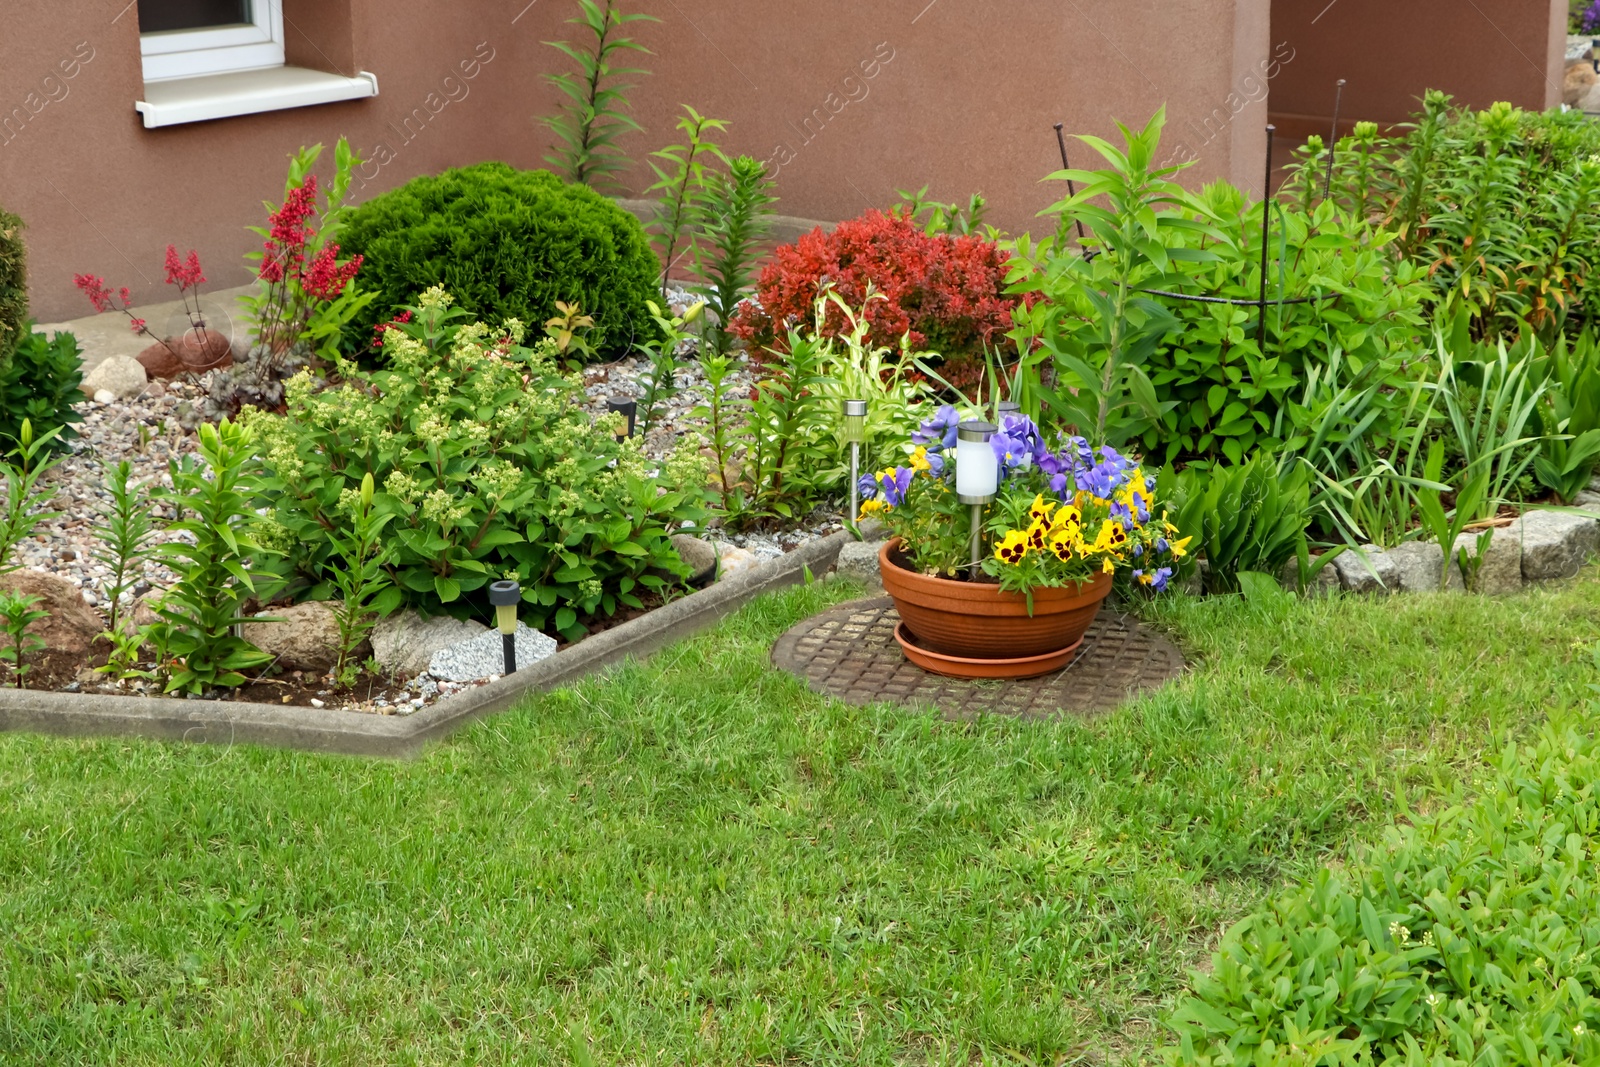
<point x="1064" y="512"/>
<point x="486" y="466"/>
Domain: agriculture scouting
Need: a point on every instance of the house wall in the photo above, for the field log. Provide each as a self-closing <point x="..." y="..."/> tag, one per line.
<point x="849" y="101"/>
<point x="1479" y="52"/>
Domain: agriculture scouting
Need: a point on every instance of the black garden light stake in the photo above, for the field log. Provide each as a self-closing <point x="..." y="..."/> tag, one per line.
<point x="505" y="596"/>
<point x="1333" y="140"/>
<point x="628" y="409"/>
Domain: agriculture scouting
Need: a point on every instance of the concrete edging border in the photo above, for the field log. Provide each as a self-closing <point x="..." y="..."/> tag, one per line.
<point x="349" y="733"/>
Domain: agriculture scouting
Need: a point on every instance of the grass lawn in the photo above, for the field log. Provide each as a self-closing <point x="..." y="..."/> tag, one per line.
<point x="698" y="861"/>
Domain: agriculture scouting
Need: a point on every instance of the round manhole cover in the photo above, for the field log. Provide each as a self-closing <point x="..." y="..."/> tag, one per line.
<point x="850" y="653"/>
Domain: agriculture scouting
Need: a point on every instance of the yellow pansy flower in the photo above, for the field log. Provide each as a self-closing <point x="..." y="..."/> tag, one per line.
<point x="1012" y="547"/>
<point x="1041" y="509"/>
<point x="1179" y="548"/>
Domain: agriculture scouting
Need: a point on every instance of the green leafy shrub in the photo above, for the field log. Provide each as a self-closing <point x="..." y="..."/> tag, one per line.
<point x="13" y="287"/>
<point x="1472" y="936"/>
<point x="487" y="466"/>
<point x="1198" y="379"/>
<point x="506" y="244"/>
<point x="40" y="384"/>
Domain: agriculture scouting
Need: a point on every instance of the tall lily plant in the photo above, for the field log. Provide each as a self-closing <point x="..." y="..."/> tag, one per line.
<point x="1096" y="320"/>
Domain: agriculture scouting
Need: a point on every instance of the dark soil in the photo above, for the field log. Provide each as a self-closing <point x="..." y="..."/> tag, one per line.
<point x="57" y="671"/>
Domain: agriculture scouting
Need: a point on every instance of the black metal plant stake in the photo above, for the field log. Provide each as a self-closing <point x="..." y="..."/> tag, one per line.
<point x="1266" y="236"/>
<point x="1333" y="140"/>
<point x="1061" y="140"/>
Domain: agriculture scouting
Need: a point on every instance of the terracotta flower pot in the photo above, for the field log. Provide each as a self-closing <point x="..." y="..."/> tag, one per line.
<point x="978" y="621"/>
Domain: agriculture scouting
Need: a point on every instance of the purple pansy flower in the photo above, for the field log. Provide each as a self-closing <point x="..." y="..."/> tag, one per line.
<point x="895" y="483"/>
<point x="1011" y="452"/>
<point x="1159" y="580"/>
<point x="939" y="432"/>
<point x="868" y="486"/>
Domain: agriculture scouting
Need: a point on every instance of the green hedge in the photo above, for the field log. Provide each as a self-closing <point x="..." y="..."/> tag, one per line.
<point x="507" y="244"/>
<point x="41" y="384"/>
<point x="1472" y="936"/>
<point x="13" y="287"/>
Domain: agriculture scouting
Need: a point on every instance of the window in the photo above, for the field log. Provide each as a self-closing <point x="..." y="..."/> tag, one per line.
<point x="216" y="59"/>
<point x="190" y="38"/>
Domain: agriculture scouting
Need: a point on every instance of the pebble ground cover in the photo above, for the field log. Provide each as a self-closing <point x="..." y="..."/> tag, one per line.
<point x="697" y="861"/>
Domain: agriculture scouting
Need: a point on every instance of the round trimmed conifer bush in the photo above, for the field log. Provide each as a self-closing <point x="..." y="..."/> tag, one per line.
<point x="507" y="243"/>
<point x="13" y="287"/>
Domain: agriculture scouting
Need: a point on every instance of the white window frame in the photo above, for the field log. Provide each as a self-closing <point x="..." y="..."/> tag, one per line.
<point x="254" y="45"/>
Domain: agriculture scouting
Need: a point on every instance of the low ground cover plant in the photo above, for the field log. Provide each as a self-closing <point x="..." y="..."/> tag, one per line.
<point x="506" y="244"/>
<point x="1468" y="936"/>
<point x="485" y="467"/>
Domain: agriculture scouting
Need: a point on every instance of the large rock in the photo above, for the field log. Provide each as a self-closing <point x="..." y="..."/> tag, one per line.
<point x="305" y="637"/>
<point x="1555" y="544"/>
<point x="733" y="560"/>
<point x="859" y="560"/>
<point x="484" y="655"/>
<point x="699" y="556"/>
<point x="192" y="352"/>
<point x="1376" y="573"/>
<point x="1577" y="81"/>
<point x="1589" y="102"/>
<point x="121" y="376"/>
<point x="71" y="626"/>
<point x="1326" y="581"/>
<point x="1501" y="570"/>
<point x="1579" y="46"/>
<point x="404" y="642"/>
<point x="1420" y="565"/>
<point x="1587" y="499"/>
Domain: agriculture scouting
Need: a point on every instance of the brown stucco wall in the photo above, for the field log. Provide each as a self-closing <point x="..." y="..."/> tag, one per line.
<point x="961" y="97"/>
<point x="1478" y="51"/>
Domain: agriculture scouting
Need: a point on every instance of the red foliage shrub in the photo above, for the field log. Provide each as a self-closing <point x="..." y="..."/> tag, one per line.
<point x="947" y="291"/>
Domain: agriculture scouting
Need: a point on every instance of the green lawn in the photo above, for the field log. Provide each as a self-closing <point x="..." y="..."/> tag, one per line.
<point x="697" y="861"/>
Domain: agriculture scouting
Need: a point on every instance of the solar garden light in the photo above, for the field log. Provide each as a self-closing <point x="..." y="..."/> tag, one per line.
<point x="854" y="433"/>
<point x="628" y="409"/>
<point x="1007" y="407"/>
<point x="977" y="476"/>
<point x="505" y="596"/>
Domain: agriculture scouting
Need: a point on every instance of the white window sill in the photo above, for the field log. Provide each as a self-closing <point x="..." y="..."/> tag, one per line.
<point x="247" y="92"/>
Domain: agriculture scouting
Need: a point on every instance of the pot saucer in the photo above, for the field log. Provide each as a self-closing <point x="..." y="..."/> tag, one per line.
<point x="961" y="667"/>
